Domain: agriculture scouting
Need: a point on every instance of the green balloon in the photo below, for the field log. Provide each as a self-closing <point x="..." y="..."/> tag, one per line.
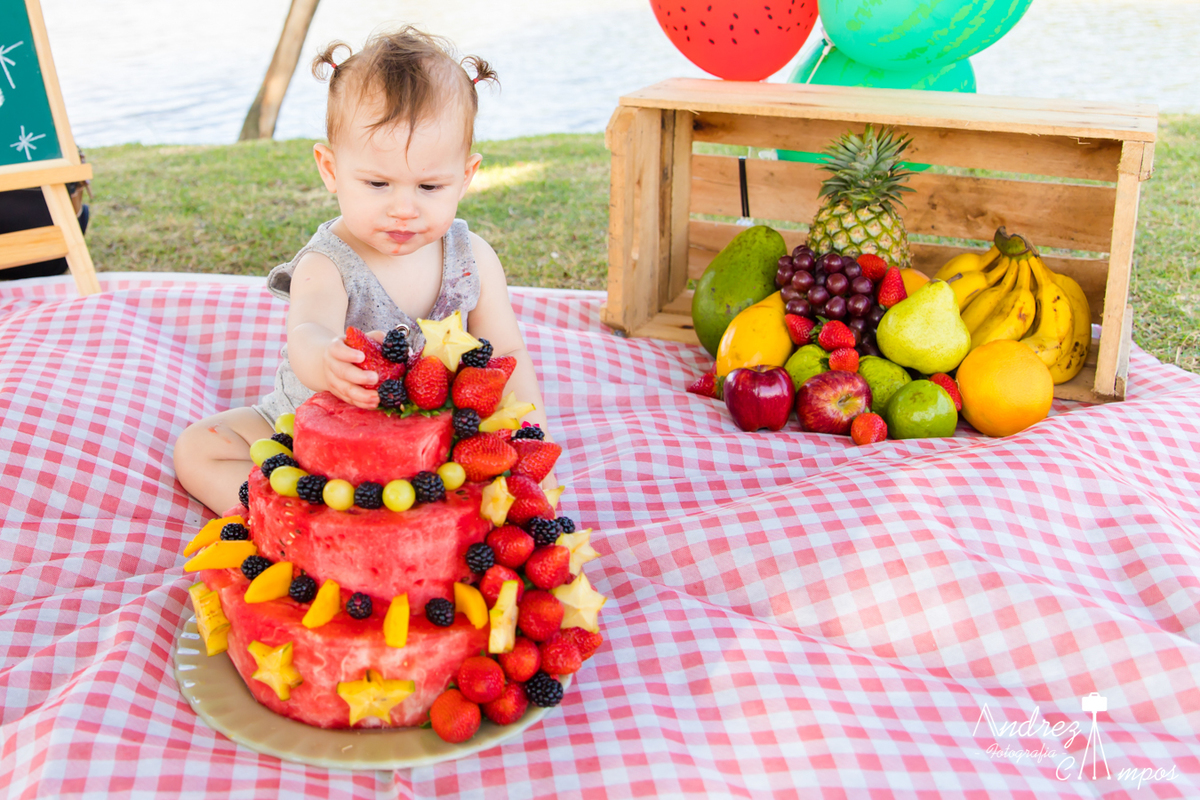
<point x="835" y="69"/>
<point x="917" y="34"/>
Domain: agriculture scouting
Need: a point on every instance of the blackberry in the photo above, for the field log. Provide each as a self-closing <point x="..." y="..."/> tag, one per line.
<point x="480" y="558"/>
<point x="254" y="565"/>
<point x="480" y="356"/>
<point x="234" y="532"/>
<point x="440" y="612"/>
<point x="544" y="691"/>
<point x="429" y="487"/>
<point x="395" y="345"/>
<point x="368" y="495"/>
<point x="244" y="493"/>
<point x="544" y="531"/>
<point x="529" y="432"/>
<point x="303" y="589"/>
<point x="284" y="440"/>
<point x="312" y="488"/>
<point x="392" y="394"/>
<point x="466" y="422"/>
<point x="566" y="524"/>
<point x="358" y="606"/>
<point x="276" y="461"/>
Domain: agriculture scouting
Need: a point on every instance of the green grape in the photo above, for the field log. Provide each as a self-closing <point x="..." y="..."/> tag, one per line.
<point x="285" y="423"/>
<point x="399" y="495"/>
<point x="284" y="479"/>
<point x="452" y="475"/>
<point x="338" y="494"/>
<point x="263" y="449"/>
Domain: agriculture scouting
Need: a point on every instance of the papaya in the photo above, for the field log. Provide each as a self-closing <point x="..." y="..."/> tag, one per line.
<point x="757" y="335"/>
<point x="740" y="275"/>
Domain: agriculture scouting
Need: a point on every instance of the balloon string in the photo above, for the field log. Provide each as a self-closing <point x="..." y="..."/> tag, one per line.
<point x="817" y="66"/>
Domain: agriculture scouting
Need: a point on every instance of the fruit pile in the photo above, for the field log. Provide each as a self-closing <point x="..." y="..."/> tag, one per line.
<point x="503" y="574"/>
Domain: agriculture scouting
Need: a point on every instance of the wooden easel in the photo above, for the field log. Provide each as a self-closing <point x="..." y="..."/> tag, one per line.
<point x="64" y="237"/>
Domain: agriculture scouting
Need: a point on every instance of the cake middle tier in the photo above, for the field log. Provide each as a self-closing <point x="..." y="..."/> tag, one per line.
<point x="420" y="552"/>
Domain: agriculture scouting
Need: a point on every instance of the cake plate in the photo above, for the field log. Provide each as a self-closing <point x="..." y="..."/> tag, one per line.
<point x="215" y="690"/>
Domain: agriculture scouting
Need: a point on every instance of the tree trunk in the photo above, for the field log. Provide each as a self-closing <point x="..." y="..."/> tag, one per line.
<point x="264" y="111"/>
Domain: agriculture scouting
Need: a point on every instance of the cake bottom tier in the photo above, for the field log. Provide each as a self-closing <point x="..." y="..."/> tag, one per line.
<point x="341" y="651"/>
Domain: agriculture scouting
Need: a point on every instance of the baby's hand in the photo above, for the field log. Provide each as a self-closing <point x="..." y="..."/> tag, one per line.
<point x="345" y="380"/>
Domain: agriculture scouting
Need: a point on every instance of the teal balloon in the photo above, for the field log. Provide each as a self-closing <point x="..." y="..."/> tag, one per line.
<point x="908" y="35"/>
<point x="835" y="69"/>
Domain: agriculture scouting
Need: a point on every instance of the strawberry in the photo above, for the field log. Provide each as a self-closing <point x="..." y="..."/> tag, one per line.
<point x="531" y="500"/>
<point x="535" y="458"/>
<point x="549" y="566"/>
<point x="484" y="456"/>
<point x="868" y="429"/>
<point x="946" y="382"/>
<point x="505" y="363"/>
<point x="539" y="615"/>
<point x="834" y="335"/>
<point x="844" y="358"/>
<point x="560" y="655"/>
<point x="522" y="661"/>
<point x="480" y="679"/>
<point x="873" y="266"/>
<point x="799" y="328"/>
<point x="508" y="707"/>
<point x="479" y="389"/>
<point x="492" y="581"/>
<point x="891" y="289"/>
<point x="587" y="642"/>
<point x="428" y="383"/>
<point x="706" y="385"/>
<point x="510" y="545"/>
<point x="374" y="361"/>
<point x="454" y="717"/>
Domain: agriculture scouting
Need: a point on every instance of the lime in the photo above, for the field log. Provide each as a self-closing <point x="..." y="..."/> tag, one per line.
<point x="806" y="362"/>
<point x="920" y="410"/>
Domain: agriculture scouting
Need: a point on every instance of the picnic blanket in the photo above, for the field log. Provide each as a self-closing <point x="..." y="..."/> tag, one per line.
<point x="789" y="615"/>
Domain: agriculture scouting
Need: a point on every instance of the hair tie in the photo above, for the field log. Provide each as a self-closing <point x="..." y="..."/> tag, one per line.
<point x="476" y="79"/>
<point x="335" y="66"/>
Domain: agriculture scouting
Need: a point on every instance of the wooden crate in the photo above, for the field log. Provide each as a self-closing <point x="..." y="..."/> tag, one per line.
<point x="1077" y="172"/>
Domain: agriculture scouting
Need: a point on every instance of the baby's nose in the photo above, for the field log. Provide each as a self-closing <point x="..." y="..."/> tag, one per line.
<point x="403" y="207"/>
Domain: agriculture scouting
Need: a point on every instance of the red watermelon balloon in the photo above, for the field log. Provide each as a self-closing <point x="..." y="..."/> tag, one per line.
<point x="735" y="39"/>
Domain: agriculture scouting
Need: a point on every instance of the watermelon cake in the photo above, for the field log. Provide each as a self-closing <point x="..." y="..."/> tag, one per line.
<point x="402" y="565"/>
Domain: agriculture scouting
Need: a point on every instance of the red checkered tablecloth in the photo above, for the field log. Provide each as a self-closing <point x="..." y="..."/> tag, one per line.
<point x="789" y="615"/>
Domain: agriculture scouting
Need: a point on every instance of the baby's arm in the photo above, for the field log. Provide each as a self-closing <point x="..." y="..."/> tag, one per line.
<point x="494" y="319"/>
<point x="317" y="349"/>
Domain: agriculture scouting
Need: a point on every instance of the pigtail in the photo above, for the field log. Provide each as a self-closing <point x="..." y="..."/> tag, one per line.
<point x="483" y="70"/>
<point x="326" y="59"/>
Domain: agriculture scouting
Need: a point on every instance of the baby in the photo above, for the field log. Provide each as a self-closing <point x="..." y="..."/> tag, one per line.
<point x="400" y="125"/>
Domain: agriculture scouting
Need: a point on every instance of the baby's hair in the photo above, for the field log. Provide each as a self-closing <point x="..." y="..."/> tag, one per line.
<point x="404" y="69"/>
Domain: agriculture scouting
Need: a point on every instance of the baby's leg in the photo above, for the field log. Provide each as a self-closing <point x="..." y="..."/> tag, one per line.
<point x="212" y="456"/>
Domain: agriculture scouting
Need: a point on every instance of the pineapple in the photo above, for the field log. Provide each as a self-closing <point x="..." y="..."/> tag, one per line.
<point x="858" y="215"/>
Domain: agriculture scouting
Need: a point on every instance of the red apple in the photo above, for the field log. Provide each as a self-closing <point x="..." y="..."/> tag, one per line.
<point x="829" y="402"/>
<point x="759" y="397"/>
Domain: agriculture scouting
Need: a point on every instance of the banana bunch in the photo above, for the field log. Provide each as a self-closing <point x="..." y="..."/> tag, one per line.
<point x="1009" y="293"/>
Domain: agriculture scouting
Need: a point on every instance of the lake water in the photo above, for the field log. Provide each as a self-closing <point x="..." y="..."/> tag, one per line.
<point x="166" y="71"/>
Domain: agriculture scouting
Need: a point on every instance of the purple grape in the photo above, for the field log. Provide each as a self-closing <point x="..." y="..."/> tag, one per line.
<point x="851" y="270"/>
<point x="804" y="308"/>
<point x="804" y="261"/>
<point x="801" y="249"/>
<point x="782" y="278"/>
<point x="869" y="348"/>
<point x="858" y="306"/>
<point x="863" y="285"/>
<point x="831" y="263"/>
<point x="858" y="325"/>
<point x="819" y="276"/>
<point x="835" y="307"/>
<point x="785" y="262"/>
<point x="817" y="295"/>
<point x="837" y="284"/>
<point x="875" y="314"/>
<point x="794" y="306"/>
<point x="803" y="280"/>
<point x="789" y="293"/>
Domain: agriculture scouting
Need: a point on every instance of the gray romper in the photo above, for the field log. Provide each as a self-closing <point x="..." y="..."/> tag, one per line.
<point x="370" y="307"/>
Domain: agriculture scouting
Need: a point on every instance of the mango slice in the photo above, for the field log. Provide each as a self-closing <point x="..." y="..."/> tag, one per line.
<point x="275" y="668"/>
<point x="503" y="617"/>
<point x="211" y="622"/>
<point x="271" y="584"/>
<point x="211" y="532"/>
<point x="324" y="606"/>
<point x="468" y="600"/>
<point x="221" y="555"/>
<point x="395" y="624"/>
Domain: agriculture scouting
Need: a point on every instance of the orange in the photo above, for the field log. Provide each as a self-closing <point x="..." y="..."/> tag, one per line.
<point x="913" y="279"/>
<point x="1005" y="388"/>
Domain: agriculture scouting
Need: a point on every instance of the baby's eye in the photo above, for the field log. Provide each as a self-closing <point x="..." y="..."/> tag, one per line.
<point x="430" y="187"/>
<point x="377" y="184"/>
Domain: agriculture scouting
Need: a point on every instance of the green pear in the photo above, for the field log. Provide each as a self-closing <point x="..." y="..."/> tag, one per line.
<point x="806" y="362"/>
<point x="925" y="331"/>
<point x="884" y="378"/>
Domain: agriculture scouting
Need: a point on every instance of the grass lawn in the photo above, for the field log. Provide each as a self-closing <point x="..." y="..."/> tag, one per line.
<point x="542" y="203"/>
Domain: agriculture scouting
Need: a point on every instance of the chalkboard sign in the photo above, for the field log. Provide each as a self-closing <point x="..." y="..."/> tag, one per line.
<point x="27" y="130"/>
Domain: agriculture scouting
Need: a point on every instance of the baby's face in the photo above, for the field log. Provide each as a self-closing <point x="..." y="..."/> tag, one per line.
<point x="398" y="196"/>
